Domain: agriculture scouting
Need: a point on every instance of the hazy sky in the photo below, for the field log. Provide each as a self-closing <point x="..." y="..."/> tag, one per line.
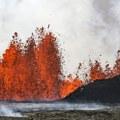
<point x="87" y="27"/>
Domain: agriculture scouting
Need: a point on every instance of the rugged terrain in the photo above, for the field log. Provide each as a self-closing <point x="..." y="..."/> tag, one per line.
<point x="106" y="114"/>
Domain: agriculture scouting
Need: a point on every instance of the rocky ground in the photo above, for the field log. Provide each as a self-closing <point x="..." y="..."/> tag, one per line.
<point x="106" y="114"/>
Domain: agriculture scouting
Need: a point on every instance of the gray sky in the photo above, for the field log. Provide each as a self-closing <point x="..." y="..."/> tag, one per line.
<point x="87" y="27"/>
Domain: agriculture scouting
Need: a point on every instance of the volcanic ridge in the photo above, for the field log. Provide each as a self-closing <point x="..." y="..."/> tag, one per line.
<point x="101" y="91"/>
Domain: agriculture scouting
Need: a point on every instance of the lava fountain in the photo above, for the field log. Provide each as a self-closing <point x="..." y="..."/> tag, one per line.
<point x="33" y="70"/>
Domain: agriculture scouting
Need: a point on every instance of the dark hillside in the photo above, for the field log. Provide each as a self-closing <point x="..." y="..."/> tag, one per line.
<point x="104" y="91"/>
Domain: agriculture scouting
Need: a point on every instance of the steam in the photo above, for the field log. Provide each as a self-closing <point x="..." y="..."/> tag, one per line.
<point x="88" y="27"/>
<point x="4" y="111"/>
<point x="26" y="107"/>
<point x="9" y="109"/>
<point x="116" y="9"/>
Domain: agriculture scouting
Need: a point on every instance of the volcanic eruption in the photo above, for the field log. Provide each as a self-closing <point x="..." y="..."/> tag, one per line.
<point x="34" y="70"/>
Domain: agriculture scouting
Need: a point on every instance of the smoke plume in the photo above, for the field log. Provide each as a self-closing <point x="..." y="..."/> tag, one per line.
<point x="4" y="111"/>
<point x="89" y="27"/>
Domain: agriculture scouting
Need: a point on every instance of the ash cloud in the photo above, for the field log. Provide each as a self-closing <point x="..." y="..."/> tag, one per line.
<point x="88" y="27"/>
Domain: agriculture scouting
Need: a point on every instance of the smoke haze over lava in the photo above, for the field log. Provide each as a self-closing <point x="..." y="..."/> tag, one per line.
<point x="93" y="25"/>
<point x="34" y="68"/>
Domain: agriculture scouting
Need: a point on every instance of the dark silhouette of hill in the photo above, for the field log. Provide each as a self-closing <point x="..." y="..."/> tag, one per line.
<point x="103" y="91"/>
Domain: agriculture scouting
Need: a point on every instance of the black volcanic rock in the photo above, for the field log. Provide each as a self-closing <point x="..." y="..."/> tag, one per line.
<point x="103" y="91"/>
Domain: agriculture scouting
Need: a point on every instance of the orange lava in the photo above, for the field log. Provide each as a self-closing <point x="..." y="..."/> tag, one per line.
<point x="33" y="71"/>
<point x="97" y="72"/>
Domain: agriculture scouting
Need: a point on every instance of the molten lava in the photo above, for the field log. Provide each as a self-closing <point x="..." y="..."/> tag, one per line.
<point x="96" y="71"/>
<point x="33" y="71"/>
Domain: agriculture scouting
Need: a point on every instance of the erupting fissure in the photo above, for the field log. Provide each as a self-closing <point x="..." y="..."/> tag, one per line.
<point x="33" y="71"/>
